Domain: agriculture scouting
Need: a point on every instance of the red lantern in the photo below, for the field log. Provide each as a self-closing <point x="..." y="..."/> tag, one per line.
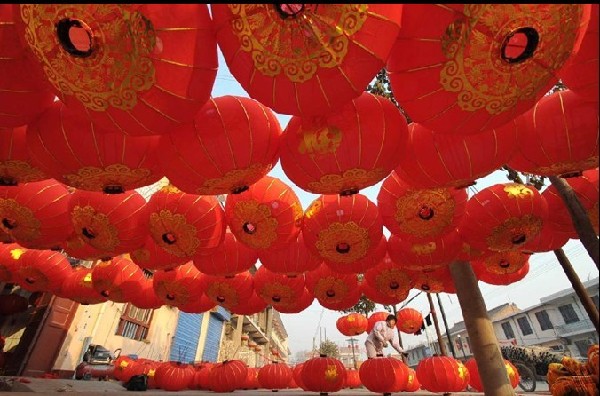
<point x="304" y="301"/>
<point x="251" y="306"/>
<point x="475" y="380"/>
<point x="198" y="305"/>
<point x="477" y="67"/>
<point x="252" y="379"/>
<point x="323" y="374"/>
<point x="379" y="297"/>
<point x="114" y="224"/>
<point x="174" y="376"/>
<point x="11" y="304"/>
<point x="559" y="136"/>
<point x="499" y="279"/>
<point x="145" y="297"/>
<point x="76" y="247"/>
<point x="276" y="288"/>
<point x="409" y="320"/>
<point x="305" y="59"/>
<point x="43" y="270"/>
<point x="275" y="376"/>
<point x="292" y="260"/>
<point x="581" y="74"/>
<point x="549" y="238"/>
<point x="79" y="287"/>
<point x="413" y="384"/>
<point x="202" y="377"/>
<point x="374" y="318"/>
<point x="179" y="286"/>
<point x="121" y="365"/>
<point x="334" y="291"/>
<point x="108" y="162"/>
<point x="15" y="163"/>
<point x="353" y="147"/>
<point x="433" y="281"/>
<point x="425" y="254"/>
<point x="230" y="292"/>
<point x="229" y="258"/>
<point x="24" y="92"/>
<point x="228" y="376"/>
<point x="118" y="279"/>
<point x="413" y="213"/>
<point x="230" y="145"/>
<point x="503" y="217"/>
<point x="342" y="229"/>
<point x="133" y="68"/>
<point x="297" y="373"/>
<point x="184" y="224"/>
<point x="36" y="214"/>
<point x="139" y="367"/>
<point x="383" y="375"/>
<point x="266" y="216"/>
<point x="152" y="257"/>
<point x="352" y="324"/>
<point x="389" y="279"/>
<point x="10" y="255"/>
<point x="468" y="253"/>
<point x="352" y="379"/>
<point x="460" y="159"/>
<point x="504" y="262"/>
<point x="442" y="374"/>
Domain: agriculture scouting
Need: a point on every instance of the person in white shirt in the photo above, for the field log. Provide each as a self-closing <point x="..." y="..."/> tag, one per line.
<point x="383" y="332"/>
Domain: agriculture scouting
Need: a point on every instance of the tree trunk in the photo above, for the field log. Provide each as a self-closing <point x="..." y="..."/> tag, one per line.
<point x="584" y="297"/>
<point x="484" y="343"/>
<point x="399" y="335"/>
<point x="581" y="221"/>
<point x="441" y="342"/>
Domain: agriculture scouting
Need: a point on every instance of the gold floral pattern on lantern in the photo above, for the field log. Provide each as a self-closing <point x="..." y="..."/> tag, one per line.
<point x="141" y="255"/>
<point x="119" y="64"/>
<point x="165" y="225"/>
<point x="518" y="191"/>
<point x="331" y="373"/>
<point x="313" y="209"/>
<point x="395" y="276"/>
<point x="566" y="167"/>
<point x="272" y="290"/>
<point x="323" y="140"/>
<point x="18" y="221"/>
<point x="505" y="262"/>
<point x="259" y="216"/>
<point x="233" y="180"/>
<point x="514" y="232"/>
<point x="330" y="283"/>
<point x="95" y="228"/>
<point x="438" y="200"/>
<point x="473" y="44"/>
<point x="351" y="179"/>
<point x="173" y="292"/>
<point x="91" y="178"/>
<point x="423" y="249"/>
<point x="355" y="237"/>
<point x="299" y="46"/>
<point x="21" y="171"/>
<point x="223" y="291"/>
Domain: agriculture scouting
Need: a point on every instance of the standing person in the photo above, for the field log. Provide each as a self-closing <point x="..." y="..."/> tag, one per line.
<point x="382" y="333"/>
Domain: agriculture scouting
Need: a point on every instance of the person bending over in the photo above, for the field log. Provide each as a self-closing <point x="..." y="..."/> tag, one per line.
<point x="383" y="333"/>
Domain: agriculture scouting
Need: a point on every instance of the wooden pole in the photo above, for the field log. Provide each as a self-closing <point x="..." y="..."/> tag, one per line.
<point x="439" y="300"/>
<point x="584" y="297"/>
<point x="399" y="334"/>
<point x="581" y="221"/>
<point x="441" y="343"/>
<point x="484" y="343"/>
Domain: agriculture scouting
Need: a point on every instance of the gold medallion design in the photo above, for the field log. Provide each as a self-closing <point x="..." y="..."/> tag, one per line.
<point x="561" y="168"/>
<point x="165" y="223"/>
<point x="141" y="255"/>
<point x="173" y="292"/>
<point x="119" y="64"/>
<point x="351" y="179"/>
<point x="234" y="179"/>
<point x="297" y="46"/>
<point x="91" y="178"/>
<point x="506" y="262"/>
<point x="18" y="221"/>
<point x="351" y="234"/>
<point x="389" y="277"/>
<point x="87" y="221"/>
<point x="20" y="171"/>
<point x="223" y="291"/>
<point x="473" y="46"/>
<point x="331" y="283"/>
<point x="524" y="228"/>
<point x="276" y="289"/>
<point x="259" y="216"/>
<point x="438" y="200"/>
<point x="518" y="191"/>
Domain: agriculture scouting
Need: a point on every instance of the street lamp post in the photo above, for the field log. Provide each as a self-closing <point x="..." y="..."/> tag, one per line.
<point x="352" y="340"/>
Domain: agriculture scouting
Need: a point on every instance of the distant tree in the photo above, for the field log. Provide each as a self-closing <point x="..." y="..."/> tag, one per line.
<point x="329" y="348"/>
<point x="381" y="86"/>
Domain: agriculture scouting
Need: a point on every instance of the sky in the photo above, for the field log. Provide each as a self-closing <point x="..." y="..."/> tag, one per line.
<point x="545" y="276"/>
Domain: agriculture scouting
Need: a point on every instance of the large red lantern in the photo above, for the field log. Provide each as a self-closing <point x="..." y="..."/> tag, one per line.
<point x="499" y="279"/>
<point x="426" y="253"/>
<point x="323" y="374"/>
<point x="132" y="68"/>
<point x="305" y="59"/>
<point x="230" y="145"/>
<point x="297" y="373"/>
<point x="228" y="376"/>
<point x="43" y="270"/>
<point x="352" y="324"/>
<point x="333" y="290"/>
<point x="10" y="256"/>
<point x="342" y="229"/>
<point x="409" y="320"/>
<point x="459" y="159"/>
<point x="353" y="147"/>
<point x="114" y="224"/>
<point x="153" y="257"/>
<point x="383" y="375"/>
<point x="184" y="224"/>
<point x="413" y="384"/>
<point x="198" y="305"/>
<point x="79" y="287"/>
<point x="229" y="258"/>
<point x="549" y="238"/>
<point x="118" y="279"/>
<point x="266" y="216"/>
<point x="389" y="279"/>
<point x="108" y="162"/>
<point x="352" y="379"/>
<point x="442" y="374"/>
<point x="559" y="136"/>
<point x="436" y="280"/>
<point x="174" y="376"/>
<point x="252" y="379"/>
<point x="230" y="291"/>
<point x="275" y="376"/>
<point x="179" y="286"/>
<point x="252" y="305"/>
<point x="16" y="165"/>
<point x="304" y="301"/>
<point x="475" y="380"/>
<point x="476" y="67"/>
<point x="276" y="288"/>
<point x="374" y="318"/>
<point x="414" y="213"/>
<point x="363" y="265"/>
<point x="507" y="262"/>
<point x="379" y="297"/>
<point x="24" y="92"/>
<point x="292" y="260"/>
<point x="76" y="247"/>
<point x="503" y="217"/>
<point x="145" y="297"/>
<point x="36" y="214"/>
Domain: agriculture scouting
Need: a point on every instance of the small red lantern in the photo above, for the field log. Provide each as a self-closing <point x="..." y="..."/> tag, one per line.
<point x="389" y="279"/>
<point x="374" y="318"/>
<point x="43" y="270"/>
<point x="10" y="256"/>
<point x="179" y="286"/>
<point x="352" y="379"/>
<point x="228" y="376"/>
<point x="133" y="68"/>
<point x="11" y="304"/>
<point x="266" y="216"/>
<point x="292" y="260"/>
<point x="442" y="374"/>
<point x="304" y="301"/>
<point x="275" y="376"/>
<point x="230" y="145"/>
<point x="79" y="287"/>
<point x="425" y="254"/>
<point x="351" y="148"/>
<point x="503" y="217"/>
<point x="497" y="279"/>
<point x="229" y="258"/>
<point x="352" y="324"/>
<point x="409" y="320"/>
<point x="230" y="292"/>
<point x="118" y="279"/>
<point x="15" y="163"/>
<point x="174" y="376"/>
<point x="152" y="257"/>
<point x="334" y="291"/>
<point x="413" y="213"/>
<point x="383" y="375"/>
<point x="323" y="374"/>
<point x="185" y="225"/>
<point x="475" y="380"/>
<point x="276" y="288"/>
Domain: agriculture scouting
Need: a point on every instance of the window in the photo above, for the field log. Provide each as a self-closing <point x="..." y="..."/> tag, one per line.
<point x="134" y="322"/>
<point x="583" y="346"/>
<point x="595" y="300"/>
<point x="544" y="320"/>
<point x="568" y="313"/>
<point x="508" y="331"/>
<point x="524" y="326"/>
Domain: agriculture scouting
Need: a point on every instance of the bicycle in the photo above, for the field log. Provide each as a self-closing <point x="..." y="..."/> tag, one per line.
<point x="527" y="377"/>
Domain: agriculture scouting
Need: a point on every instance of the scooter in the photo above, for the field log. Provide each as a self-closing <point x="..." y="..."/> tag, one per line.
<point x="97" y="363"/>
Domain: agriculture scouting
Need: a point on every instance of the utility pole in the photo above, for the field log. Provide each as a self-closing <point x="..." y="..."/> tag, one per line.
<point x="439" y="300"/>
<point x="437" y="326"/>
<point x="352" y="340"/>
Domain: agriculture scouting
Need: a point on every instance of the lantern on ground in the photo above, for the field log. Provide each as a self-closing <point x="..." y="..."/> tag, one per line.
<point x="174" y="376"/>
<point x="383" y="375"/>
<point x="475" y="380"/>
<point x="442" y="374"/>
<point x="228" y="376"/>
<point x="323" y="374"/>
<point x="274" y="376"/>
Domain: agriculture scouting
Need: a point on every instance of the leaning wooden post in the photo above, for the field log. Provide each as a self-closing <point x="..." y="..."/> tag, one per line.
<point x="484" y="343"/>
<point x="441" y="343"/>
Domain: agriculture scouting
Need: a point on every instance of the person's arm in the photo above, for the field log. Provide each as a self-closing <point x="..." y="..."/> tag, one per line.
<point x="396" y="344"/>
<point x="379" y="331"/>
